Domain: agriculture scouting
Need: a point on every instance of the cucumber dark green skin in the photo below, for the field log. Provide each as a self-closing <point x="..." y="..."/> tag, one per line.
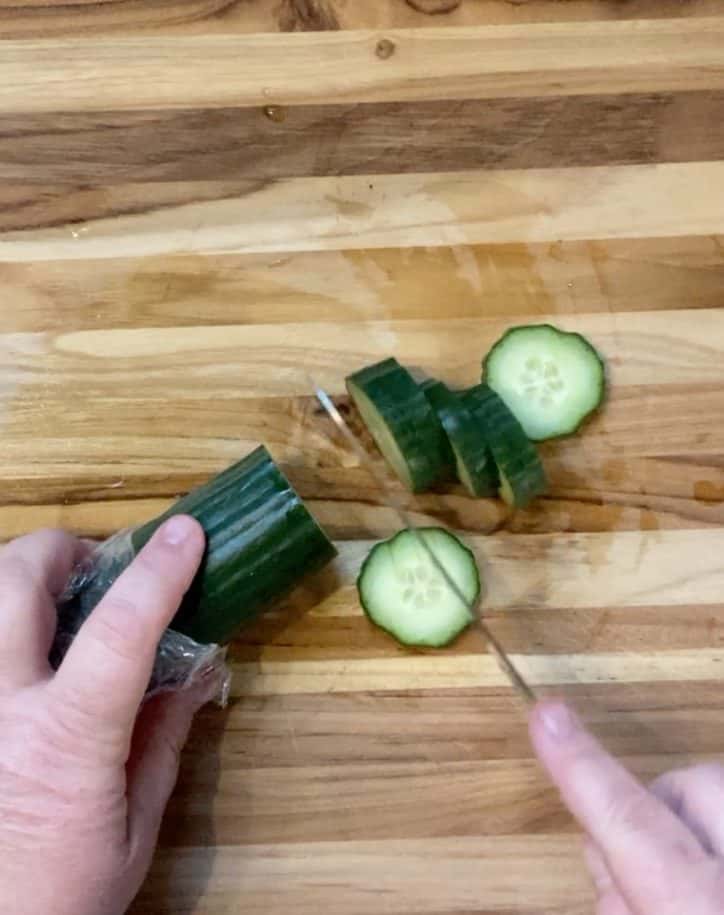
<point x="517" y="459"/>
<point x="408" y="419"/>
<point x="467" y="438"/>
<point x="260" y="541"/>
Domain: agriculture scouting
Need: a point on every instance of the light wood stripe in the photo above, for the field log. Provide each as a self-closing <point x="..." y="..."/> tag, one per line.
<point x="311" y="214"/>
<point x="445" y="875"/>
<point x="450" y="63"/>
<point x="537" y="280"/>
<point x="421" y="673"/>
<point x="642" y="349"/>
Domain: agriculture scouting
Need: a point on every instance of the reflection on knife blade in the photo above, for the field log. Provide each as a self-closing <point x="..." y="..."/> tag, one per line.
<point x="507" y="666"/>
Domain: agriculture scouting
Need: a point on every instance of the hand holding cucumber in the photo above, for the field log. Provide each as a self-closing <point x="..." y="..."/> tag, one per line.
<point x="84" y="778"/>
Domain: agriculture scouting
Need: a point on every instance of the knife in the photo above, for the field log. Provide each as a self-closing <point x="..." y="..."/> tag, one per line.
<point x="516" y="679"/>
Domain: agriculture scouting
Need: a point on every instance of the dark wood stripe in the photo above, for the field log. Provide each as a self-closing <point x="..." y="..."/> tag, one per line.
<point x="450" y="726"/>
<point x="354" y="139"/>
<point x="42" y="19"/>
<point x="292" y="634"/>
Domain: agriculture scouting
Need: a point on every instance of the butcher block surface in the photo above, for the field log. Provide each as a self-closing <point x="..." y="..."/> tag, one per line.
<point x="202" y="202"/>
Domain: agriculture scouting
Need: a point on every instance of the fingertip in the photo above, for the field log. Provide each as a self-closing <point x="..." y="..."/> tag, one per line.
<point x="553" y="721"/>
<point x="182" y="531"/>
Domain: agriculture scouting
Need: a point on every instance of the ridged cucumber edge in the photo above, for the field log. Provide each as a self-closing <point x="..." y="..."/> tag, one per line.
<point x="408" y="418"/>
<point x="468" y="442"/>
<point x="602" y="385"/>
<point x="522" y="475"/>
<point x="209" y="612"/>
<point x="388" y="541"/>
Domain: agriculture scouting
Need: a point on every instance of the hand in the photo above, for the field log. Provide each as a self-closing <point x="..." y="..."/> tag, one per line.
<point x="84" y="779"/>
<point x="655" y="851"/>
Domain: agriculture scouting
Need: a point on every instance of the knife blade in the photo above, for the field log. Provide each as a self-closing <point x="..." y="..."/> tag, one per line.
<point x="516" y="679"/>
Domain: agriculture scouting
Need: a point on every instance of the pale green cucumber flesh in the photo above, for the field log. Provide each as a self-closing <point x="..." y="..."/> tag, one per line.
<point x="402" y="423"/>
<point x="403" y="592"/>
<point x="550" y="379"/>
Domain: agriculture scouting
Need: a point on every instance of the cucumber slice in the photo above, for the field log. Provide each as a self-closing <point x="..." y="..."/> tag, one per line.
<point x="402" y="423"/>
<point x="551" y="380"/>
<point x="473" y="461"/>
<point x="260" y="541"/>
<point x="402" y="591"/>
<point x="522" y="477"/>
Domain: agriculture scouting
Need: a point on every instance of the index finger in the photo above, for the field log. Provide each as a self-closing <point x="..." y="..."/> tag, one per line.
<point x="104" y="675"/>
<point x="655" y="860"/>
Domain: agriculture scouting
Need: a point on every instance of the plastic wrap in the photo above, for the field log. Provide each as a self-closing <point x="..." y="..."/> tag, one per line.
<point x="181" y="663"/>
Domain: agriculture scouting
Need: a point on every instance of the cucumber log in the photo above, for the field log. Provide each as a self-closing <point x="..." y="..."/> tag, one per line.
<point x="260" y="541"/>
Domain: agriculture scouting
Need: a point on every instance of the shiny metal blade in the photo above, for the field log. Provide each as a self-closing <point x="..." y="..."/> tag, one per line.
<point x="517" y="680"/>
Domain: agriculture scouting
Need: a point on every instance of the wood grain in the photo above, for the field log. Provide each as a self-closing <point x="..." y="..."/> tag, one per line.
<point x="34" y="18"/>
<point x="151" y="72"/>
<point x="376" y="211"/>
<point x="387" y="137"/>
<point x="194" y="214"/>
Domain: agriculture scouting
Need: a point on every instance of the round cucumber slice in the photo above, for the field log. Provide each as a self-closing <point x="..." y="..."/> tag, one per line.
<point x="550" y="379"/>
<point x="401" y="421"/>
<point x="403" y="592"/>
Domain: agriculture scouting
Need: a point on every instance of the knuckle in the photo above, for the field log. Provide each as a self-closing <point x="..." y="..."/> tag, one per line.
<point x="120" y="628"/>
<point x="709" y="772"/>
<point x="18" y="580"/>
<point x="630" y="812"/>
<point x="170" y="755"/>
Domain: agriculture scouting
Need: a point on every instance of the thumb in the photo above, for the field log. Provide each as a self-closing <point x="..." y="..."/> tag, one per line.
<point x="161" y="731"/>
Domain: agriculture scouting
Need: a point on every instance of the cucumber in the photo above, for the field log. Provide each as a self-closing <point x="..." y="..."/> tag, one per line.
<point x="260" y="541"/>
<point x="473" y="461"/>
<point x="401" y="421"/>
<point x="402" y="591"/>
<point x="521" y="473"/>
<point x="550" y="379"/>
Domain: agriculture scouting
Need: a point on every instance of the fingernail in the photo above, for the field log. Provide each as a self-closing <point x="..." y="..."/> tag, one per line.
<point x="559" y="721"/>
<point x="177" y="530"/>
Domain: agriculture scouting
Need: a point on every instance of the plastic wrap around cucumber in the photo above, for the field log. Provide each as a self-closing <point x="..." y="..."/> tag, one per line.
<point x="402" y="591"/>
<point x="474" y="464"/>
<point x="550" y="379"/>
<point x="521" y="473"/>
<point x="260" y="542"/>
<point x="401" y="421"/>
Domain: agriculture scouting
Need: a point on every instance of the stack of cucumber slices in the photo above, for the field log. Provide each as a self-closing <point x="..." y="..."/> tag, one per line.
<point x="538" y="383"/>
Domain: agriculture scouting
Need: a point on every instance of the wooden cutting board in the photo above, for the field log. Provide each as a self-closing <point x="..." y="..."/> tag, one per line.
<point x="191" y="213"/>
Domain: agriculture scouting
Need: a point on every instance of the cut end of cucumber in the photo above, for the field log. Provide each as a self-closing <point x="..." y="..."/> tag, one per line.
<point x="399" y="418"/>
<point x="403" y="591"/>
<point x="551" y="380"/>
<point x="382" y="434"/>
